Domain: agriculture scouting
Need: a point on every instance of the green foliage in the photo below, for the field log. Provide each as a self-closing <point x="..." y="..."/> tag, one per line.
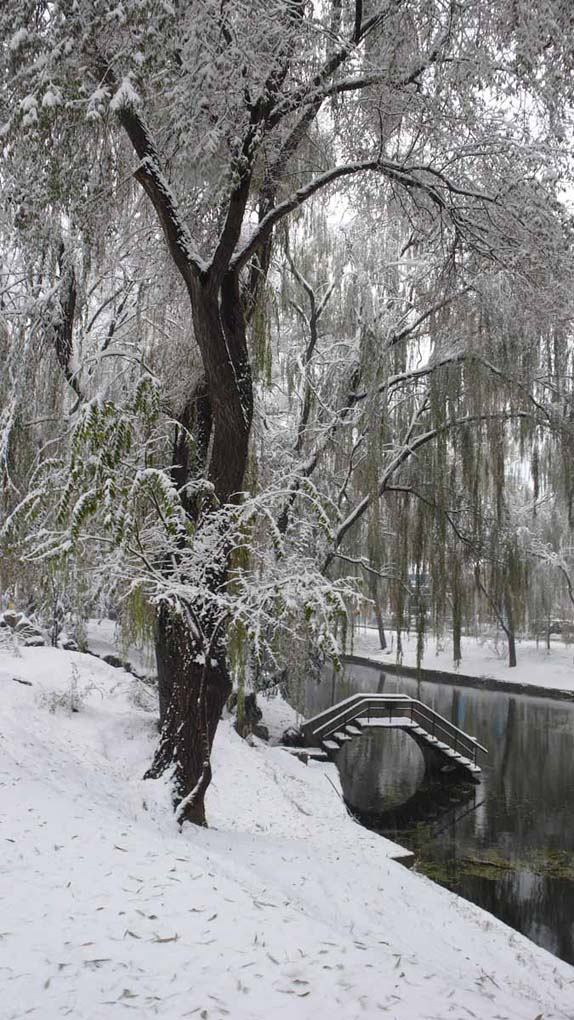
<point x="137" y="619"/>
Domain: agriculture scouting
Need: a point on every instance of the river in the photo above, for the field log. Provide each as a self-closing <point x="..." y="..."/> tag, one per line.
<point x="506" y="843"/>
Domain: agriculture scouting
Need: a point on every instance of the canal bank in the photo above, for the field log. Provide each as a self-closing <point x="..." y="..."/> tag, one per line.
<point x="542" y="670"/>
<point x="285" y="907"/>
<point x="486" y="683"/>
<point x="506" y="844"/>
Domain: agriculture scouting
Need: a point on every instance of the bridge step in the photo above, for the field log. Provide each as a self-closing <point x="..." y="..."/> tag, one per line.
<point x="353" y="730"/>
<point x="330" y="745"/>
<point x="341" y="737"/>
<point x="305" y="753"/>
<point x="439" y="744"/>
<point x="395" y="722"/>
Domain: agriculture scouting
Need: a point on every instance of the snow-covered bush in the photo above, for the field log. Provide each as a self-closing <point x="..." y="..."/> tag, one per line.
<point x="71" y="698"/>
<point x="17" y="628"/>
<point x="143" y="694"/>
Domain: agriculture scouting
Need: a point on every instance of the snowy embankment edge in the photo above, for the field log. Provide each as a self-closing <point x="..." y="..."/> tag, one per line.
<point x="482" y="665"/>
<point x="488" y="683"/>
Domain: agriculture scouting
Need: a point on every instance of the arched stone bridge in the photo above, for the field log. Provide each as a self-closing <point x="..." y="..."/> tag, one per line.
<point x="444" y="746"/>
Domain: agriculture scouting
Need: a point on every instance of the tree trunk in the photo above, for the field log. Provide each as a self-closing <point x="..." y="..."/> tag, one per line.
<point x="380" y="627"/>
<point x="511" y="648"/>
<point x="192" y="695"/>
<point x="378" y="614"/>
<point x="193" y="677"/>
<point x="456" y="634"/>
<point x="509" y="630"/>
<point x="457" y="603"/>
<point x="502" y="607"/>
<point x="167" y="663"/>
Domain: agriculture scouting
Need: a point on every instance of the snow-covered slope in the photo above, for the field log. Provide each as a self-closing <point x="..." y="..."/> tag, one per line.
<point x="284" y="909"/>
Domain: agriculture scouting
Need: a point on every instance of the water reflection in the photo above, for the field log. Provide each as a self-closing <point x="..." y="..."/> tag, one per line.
<point x="369" y="773"/>
<point x="508" y="846"/>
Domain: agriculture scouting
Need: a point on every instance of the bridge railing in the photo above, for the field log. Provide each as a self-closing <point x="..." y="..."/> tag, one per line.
<point x="389" y="706"/>
<point x="331" y="719"/>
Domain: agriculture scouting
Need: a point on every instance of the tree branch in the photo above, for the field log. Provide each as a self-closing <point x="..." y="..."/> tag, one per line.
<point x="408" y="449"/>
<point x="63" y="327"/>
<point x="405" y="176"/>
<point x="311" y="91"/>
<point x="151" y="177"/>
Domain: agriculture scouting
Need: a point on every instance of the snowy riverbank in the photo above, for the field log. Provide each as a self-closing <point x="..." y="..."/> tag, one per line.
<point x="537" y="666"/>
<point x="285" y="908"/>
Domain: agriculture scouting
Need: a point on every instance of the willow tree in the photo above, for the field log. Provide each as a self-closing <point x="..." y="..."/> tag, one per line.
<point x="229" y="117"/>
<point x="457" y="389"/>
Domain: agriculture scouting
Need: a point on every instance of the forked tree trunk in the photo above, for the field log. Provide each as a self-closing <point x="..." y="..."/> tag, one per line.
<point x="193" y="677"/>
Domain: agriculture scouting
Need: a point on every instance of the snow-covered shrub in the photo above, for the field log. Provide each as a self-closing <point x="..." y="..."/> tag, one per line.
<point x="72" y="698"/>
<point x="22" y="630"/>
<point x="9" y="641"/>
<point x="143" y="694"/>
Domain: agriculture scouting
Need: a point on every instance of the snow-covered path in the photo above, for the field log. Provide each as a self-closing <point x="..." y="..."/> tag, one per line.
<point x="285" y="908"/>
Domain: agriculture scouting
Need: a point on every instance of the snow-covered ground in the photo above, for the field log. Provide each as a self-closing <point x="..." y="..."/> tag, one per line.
<point x="480" y="658"/>
<point x="104" y="638"/>
<point x="285" y="908"/>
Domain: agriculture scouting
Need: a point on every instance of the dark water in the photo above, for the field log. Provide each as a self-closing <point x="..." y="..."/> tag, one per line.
<point x="507" y="844"/>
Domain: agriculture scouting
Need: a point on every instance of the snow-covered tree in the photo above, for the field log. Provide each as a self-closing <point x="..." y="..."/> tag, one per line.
<point x="151" y="152"/>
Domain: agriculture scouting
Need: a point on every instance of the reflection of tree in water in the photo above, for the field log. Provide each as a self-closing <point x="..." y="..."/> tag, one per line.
<point x="540" y="907"/>
<point x="507" y="753"/>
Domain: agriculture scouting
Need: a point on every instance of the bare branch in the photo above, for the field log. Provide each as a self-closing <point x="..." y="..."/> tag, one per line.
<point x="396" y="338"/>
<point x="407" y="450"/>
<point x="400" y="174"/>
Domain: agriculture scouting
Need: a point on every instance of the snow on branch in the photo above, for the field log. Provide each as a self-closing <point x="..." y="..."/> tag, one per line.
<point x="438" y="190"/>
<point x="152" y="178"/>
